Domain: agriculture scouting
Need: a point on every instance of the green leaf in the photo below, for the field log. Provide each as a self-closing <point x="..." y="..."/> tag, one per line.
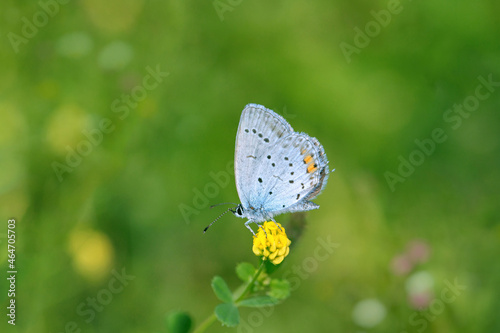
<point x="221" y="289"/>
<point x="280" y="289"/>
<point x="178" y="322"/>
<point x="245" y="271"/>
<point x="259" y="301"/>
<point x="227" y="314"/>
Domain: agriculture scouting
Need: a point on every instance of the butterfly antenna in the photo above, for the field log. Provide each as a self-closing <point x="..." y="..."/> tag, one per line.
<point x="227" y="211"/>
<point x="224" y="203"/>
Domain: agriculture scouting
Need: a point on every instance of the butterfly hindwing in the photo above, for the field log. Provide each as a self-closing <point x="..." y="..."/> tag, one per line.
<point x="296" y="172"/>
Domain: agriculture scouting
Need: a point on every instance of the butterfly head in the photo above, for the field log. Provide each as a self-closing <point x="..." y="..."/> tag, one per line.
<point x="238" y="211"/>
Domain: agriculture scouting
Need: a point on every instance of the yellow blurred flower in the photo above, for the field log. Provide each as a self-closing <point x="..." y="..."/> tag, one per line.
<point x="273" y="244"/>
<point x="92" y="252"/>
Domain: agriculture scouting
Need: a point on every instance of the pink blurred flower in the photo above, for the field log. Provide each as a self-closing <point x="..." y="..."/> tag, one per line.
<point x="420" y="301"/>
<point x="420" y="286"/>
<point x="401" y="264"/>
<point x="418" y="251"/>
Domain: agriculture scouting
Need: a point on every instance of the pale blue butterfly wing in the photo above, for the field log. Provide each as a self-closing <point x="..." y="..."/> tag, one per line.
<point x="259" y="130"/>
<point x="299" y="172"/>
<point x="277" y="170"/>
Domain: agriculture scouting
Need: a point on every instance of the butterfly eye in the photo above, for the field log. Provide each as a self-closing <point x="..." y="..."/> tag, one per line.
<point x="238" y="211"/>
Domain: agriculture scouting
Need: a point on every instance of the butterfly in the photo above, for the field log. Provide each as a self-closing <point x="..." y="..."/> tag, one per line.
<point x="277" y="170"/>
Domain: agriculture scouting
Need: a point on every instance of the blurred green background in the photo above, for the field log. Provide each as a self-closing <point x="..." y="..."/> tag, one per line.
<point x="129" y="201"/>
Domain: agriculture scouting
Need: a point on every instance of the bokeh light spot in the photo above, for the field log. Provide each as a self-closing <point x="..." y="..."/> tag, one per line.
<point x="65" y="126"/>
<point x="92" y="253"/>
<point x="368" y="313"/>
<point x="74" y="45"/>
<point x="115" y="56"/>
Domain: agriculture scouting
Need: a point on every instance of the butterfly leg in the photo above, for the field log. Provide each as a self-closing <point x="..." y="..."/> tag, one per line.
<point x="260" y="225"/>
<point x="247" y="224"/>
<point x="272" y="219"/>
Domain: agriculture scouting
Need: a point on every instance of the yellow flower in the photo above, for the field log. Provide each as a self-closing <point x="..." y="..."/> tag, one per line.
<point x="273" y="244"/>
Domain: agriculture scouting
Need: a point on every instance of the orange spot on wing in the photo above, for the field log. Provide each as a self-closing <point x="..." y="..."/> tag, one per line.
<point x="308" y="159"/>
<point x="311" y="168"/>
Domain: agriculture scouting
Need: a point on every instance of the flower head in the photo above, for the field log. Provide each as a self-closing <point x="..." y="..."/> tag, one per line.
<point x="273" y="244"/>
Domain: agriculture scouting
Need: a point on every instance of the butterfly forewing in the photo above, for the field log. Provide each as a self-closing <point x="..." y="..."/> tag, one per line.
<point x="259" y="130"/>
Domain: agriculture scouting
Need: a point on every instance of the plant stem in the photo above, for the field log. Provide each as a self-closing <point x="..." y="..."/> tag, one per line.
<point x="250" y="285"/>
<point x="205" y="324"/>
